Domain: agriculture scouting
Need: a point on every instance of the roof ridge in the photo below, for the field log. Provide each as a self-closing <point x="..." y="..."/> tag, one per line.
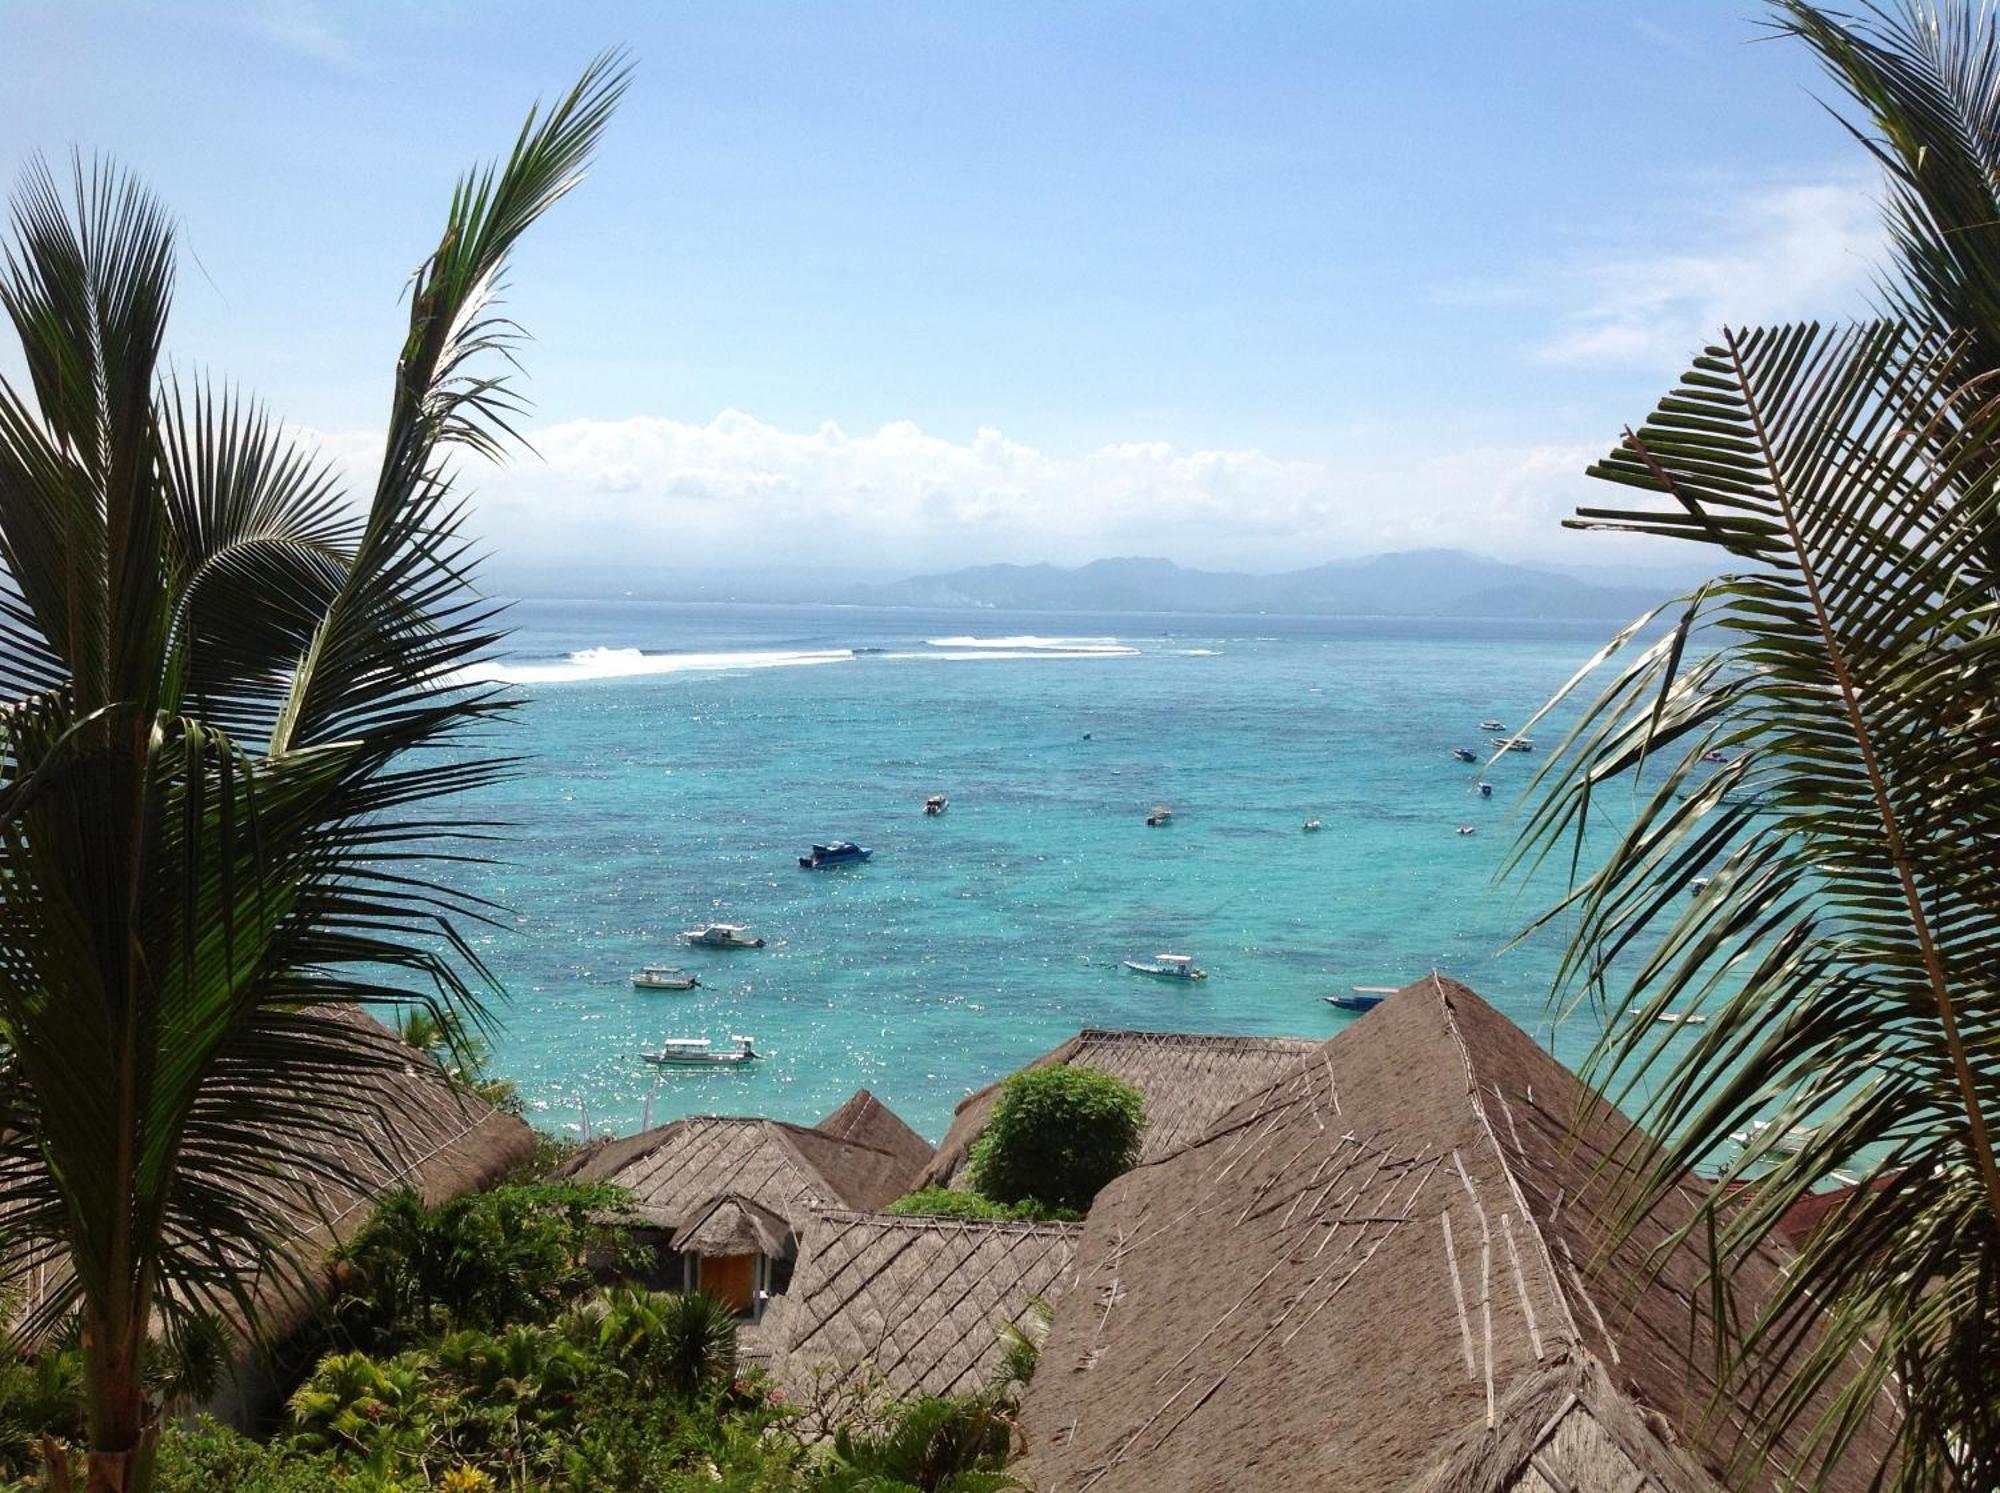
<point x="1531" y="1224"/>
<point x="838" y="1140"/>
<point x="946" y="1223"/>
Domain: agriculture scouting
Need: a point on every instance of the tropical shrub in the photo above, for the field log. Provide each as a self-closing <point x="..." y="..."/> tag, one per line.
<point x="932" y="1446"/>
<point x="663" y="1342"/>
<point x="1057" y="1135"/>
<point x="517" y="1253"/>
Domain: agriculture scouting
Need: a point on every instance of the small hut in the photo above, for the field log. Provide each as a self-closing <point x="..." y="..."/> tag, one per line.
<point x="918" y="1301"/>
<point x="723" y="1200"/>
<point x="1187" y="1079"/>
<point x="1400" y="1266"/>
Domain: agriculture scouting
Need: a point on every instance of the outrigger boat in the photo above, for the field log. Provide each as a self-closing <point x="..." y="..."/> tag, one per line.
<point x="1364" y="998"/>
<point x="834" y="853"/>
<point x="723" y="936"/>
<point x="664" y="977"/>
<point x="695" y="1052"/>
<point x="1167" y="967"/>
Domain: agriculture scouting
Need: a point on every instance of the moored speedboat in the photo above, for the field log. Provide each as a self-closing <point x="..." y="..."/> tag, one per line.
<point x="664" y="977"/>
<point x="1364" y="998"/>
<point x="1485" y="790"/>
<point x="936" y="804"/>
<point x="1310" y="825"/>
<point x="723" y="936"/>
<point x="1160" y="815"/>
<point x="696" y="1052"/>
<point x="1465" y="754"/>
<point x="1167" y="967"/>
<point x="834" y="853"/>
<point x="1491" y="726"/>
<point x="1513" y="743"/>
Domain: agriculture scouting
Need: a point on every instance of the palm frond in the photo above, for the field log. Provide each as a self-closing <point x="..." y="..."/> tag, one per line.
<point x="1845" y="947"/>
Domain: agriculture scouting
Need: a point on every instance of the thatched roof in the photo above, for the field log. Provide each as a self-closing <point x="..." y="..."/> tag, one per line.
<point x="676" y="1170"/>
<point x="1395" y="1267"/>
<point x="921" y="1300"/>
<point x="416" y="1128"/>
<point x="1187" y="1078"/>
<point x="868" y="1120"/>
<point x="732" y="1225"/>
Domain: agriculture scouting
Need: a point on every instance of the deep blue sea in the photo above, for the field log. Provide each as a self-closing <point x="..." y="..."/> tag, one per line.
<point x="684" y="756"/>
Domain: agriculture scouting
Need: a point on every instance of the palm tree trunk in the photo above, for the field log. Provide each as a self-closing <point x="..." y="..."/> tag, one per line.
<point x="120" y="1458"/>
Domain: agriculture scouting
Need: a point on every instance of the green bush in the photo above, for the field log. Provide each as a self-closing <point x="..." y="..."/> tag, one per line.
<point x="948" y="1202"/>
<point x="1057" y="1135"/>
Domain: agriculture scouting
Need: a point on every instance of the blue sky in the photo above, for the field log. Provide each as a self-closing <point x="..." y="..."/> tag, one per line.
<point x="913" y="285"/>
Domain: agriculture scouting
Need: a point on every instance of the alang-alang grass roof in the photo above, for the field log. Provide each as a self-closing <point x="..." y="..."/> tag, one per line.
<point x="1186" y="1078"/>
<point x="1397" y="1267"/>
<point x="919" y="1300"/>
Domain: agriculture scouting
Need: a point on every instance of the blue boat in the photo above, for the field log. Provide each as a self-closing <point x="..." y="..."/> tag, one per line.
<point x="1365" y="997"/>
<point x="834" y="853"/>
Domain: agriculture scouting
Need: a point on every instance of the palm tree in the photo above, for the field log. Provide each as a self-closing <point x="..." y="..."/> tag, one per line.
<point x="233" y="702"/>
<point x="1803" y="845"/>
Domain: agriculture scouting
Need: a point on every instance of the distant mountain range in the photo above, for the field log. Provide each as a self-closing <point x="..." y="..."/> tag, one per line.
<point x="1413" y="583"/>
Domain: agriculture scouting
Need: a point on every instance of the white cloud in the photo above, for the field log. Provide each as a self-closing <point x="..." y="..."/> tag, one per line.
<point x="737" y="493"/>
<point x="1778" y="254"/>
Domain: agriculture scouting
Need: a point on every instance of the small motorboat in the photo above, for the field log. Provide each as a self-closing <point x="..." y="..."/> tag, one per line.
<point x="1485" y="790"/>
<point x="936" y="804"/>
<point x="1698" y="885"/>
<point x="1468" y="829"/>
<point x="1715" y="757"/>
<point x="664" y="977"/>
<point x="1791" y="1142"/>
<point x="1491" y="726"/>
<point x="696" y="1052"/>
<point x="834" y="853"/>
<point x="1465" y="754"/>
<point x="1160" y="815"/>
<point x="723" y="936"/>
<point x="1364" y="998"/>
<point x="1168" y="967"/>
<point x="1310" y="826"/>
<point x="1513" y="743"/>
<point x="1681" y="1018"/>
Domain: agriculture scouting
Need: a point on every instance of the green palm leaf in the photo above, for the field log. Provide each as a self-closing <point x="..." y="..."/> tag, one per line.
<point x="226" y="696"/>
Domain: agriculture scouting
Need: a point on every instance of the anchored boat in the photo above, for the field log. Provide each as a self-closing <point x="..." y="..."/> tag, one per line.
<point x="1491" y="726"/>
<point x="936" y="804"/>
<point x="723" y="936"/>
<point x="1465" y="754"/>
<point x="1513" y="743"/>
<point x="695" y="1052"/>
<point x="834" y="853"/>
<point x="1160" y="815"/>
<point x="664" y="977"/>
<point x="1364" y="998"/>
<point x="1167" y="967"/>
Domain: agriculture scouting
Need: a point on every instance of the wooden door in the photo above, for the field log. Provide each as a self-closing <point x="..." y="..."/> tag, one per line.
<point x="730" y="1279"/>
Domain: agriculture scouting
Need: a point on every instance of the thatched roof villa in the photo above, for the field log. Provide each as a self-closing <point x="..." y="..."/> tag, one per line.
<point x="919" y="1301"/>
<point x="418" y="1129"/>
<point x="1394" y="1267"/>
<point x="1186" y="1078"/>
<point x="724" y="1199"/>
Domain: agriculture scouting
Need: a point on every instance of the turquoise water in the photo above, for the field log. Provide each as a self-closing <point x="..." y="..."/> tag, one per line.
<point x="670" y="786"/>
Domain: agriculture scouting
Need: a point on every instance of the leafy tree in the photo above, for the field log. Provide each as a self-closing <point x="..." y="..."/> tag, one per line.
<point x="225" y="691"/>
<point x="1844" y="948"/>
<point x="1057" y="1135"/>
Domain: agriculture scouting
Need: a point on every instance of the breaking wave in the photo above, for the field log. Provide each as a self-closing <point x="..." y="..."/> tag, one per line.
<point x="1032" y="645"/>
<point x="628" y="663"/>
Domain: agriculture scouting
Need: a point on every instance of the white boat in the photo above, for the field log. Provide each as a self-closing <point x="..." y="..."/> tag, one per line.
<point x="936" y="804"/>
<point x="1167" y="967"/>
<point x="724" y="936"/>
<point x="1513" y="743"/>
<point x="664" y="977"/>
<point x="1491" y="726"/>
<point x="1310" y="825"/>
<point x="1160" y="815"/>
<point x="696" y="1052"/>
<point x="1791" y="1142"/>
<point x="1681" y="1018"/>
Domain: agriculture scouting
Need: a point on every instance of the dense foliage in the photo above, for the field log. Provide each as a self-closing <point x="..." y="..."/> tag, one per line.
<point x="952" y="1202"/>
<point x="1057" y="1135"/>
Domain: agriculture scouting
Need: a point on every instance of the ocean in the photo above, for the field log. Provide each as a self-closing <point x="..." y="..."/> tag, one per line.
<point x="682" y="756"/>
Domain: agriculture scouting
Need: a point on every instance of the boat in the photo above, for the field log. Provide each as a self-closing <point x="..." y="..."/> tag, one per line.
<point x="1364" y="998"/>
<point x="834" y="853"/>
<point x="664" y="977"/>
<point x="1491" y="726"/>
<point x="1513" y="743"/>
<point x="1791" y="1142"/>
<point x="1310" y="825"/>
<point x="696" y="1052"/>
<point x="1465" y="754"/>
<point x="1485" y="790"/>
<point x="936" y="804"/>
<point x="1698" y="885"/>
<point x="1468" y="829"/>
<point x="1681" y="1018"/>
<point x="723" y="936"/>
<point x="1715" y="757"/>
<point x="1168" y="967"/>
<point x="1160" y="815"/>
